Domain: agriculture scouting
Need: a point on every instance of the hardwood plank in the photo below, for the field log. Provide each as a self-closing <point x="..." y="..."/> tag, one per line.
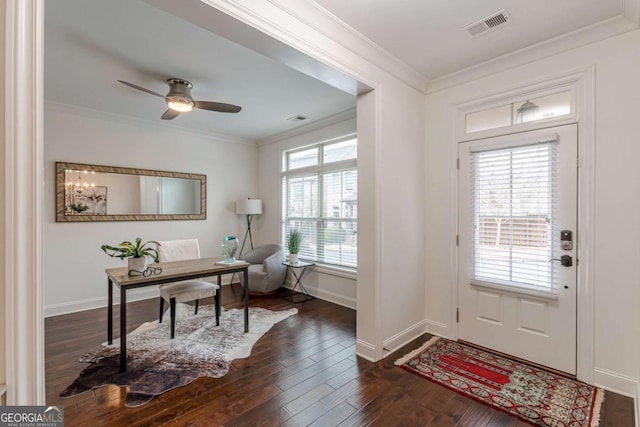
<point x="304" y="371"/>
<point x="335" y="415"/>
<point x="308" y="399"/>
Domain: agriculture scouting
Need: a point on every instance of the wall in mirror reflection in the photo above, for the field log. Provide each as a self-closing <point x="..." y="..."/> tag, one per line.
<point x="105" y="193"/>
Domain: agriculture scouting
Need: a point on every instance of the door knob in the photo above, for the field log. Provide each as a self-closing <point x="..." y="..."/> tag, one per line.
<point x="565" y="260"/>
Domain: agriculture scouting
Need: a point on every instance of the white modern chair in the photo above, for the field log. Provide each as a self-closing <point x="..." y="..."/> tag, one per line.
<point x="187" y="290"/>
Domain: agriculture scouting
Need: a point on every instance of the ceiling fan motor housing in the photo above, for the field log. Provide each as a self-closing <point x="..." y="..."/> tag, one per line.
<point x="180" y="91"/>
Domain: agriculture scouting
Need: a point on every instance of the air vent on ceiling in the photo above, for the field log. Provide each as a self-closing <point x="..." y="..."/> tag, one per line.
<point x="297" y="118"/>
<point x="489" y="23"/>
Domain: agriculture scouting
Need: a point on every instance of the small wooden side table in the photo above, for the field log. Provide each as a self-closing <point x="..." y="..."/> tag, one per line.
<point x="302" y="295"/>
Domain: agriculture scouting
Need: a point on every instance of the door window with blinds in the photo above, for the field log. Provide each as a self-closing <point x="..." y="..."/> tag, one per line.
<point x="320" y="199"/>
<point x="514" y="192"/>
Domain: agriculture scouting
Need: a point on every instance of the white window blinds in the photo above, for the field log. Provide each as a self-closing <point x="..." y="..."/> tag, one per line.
<point x="321" y="201"/>
<point x="514" y="210"/>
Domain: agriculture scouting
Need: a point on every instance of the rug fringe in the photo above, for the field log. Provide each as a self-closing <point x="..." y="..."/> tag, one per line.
<point x="597" y="406"/>
<point x="415" y="352"/>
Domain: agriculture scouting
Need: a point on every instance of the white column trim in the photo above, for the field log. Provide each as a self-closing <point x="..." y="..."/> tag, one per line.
<point x="637" y="404"/>
<point x="585" y="108"/>
<point x="24" y="202"/>
<point x="378" y="232"/>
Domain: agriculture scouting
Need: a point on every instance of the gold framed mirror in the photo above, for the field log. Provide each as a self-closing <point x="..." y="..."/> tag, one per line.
<point x="93" y="193"/>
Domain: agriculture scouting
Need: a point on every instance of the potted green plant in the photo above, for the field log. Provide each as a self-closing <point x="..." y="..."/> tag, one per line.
<point x="293" y="244"/>
<point x="79" y="208"/>
<point x="135" y="252"/>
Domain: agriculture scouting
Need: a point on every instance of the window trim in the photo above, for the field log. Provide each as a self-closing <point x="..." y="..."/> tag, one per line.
<point x="318" y="170"/>
<point x="566" y="84"/>
<point x="284" y="167"/>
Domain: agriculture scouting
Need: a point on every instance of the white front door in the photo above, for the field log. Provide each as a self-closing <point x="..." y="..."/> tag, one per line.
<point x="517" y="222"/>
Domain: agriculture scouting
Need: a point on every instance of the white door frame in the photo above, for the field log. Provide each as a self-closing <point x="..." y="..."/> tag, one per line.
<point x="582" y="82"/>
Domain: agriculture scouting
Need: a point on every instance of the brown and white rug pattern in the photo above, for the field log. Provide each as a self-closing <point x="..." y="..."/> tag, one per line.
<point x="156" y="364"/>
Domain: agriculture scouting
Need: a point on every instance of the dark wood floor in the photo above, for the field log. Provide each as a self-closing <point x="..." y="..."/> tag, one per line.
<point x="304" y="371"/>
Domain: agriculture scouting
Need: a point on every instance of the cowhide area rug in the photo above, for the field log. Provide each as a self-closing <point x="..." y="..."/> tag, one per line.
<point x="156" y="363"/>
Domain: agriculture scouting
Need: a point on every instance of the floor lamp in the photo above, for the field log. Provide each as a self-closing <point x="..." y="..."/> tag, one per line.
<point x="249" y="208"/>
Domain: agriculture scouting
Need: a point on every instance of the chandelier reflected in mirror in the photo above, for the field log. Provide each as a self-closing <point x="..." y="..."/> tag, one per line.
<point x="82" y="196"/>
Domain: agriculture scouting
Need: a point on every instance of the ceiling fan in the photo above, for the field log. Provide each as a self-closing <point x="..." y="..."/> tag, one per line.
<point x="179" y="99"/>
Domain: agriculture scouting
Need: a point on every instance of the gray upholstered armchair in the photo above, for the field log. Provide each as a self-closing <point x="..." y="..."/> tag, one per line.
<point x="266" y="272"/>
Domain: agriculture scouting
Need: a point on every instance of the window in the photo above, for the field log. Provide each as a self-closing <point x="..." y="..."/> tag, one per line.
<point x="535" y="109"/>
<point x="514" y="194"/>
<point x="320" y="199"/>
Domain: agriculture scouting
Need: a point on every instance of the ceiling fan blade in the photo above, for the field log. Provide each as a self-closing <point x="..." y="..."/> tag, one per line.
<point x="217" y="106"/>
<point x="170" y="114"/>
<point x="141" y="88"/>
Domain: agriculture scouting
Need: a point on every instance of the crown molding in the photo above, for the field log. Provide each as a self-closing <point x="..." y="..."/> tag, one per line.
<point x="312" y="46"/>
<point x="343" y="116"/>
<point x="268" y="30"/>
<point x="134" y="121"/>
<point x="323" y="21"/>
<point x="566" y="42"/>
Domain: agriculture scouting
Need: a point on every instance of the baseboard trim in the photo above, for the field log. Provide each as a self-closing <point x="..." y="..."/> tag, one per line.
<point x="437" y="328"/>
<point x="366" y="350"/>
<point x="617" y="383"/>
<point x="404" y="337"/>
<point x="332" y="297"/>
<point x="93" y="303"/>
<point x="637" y="403"/>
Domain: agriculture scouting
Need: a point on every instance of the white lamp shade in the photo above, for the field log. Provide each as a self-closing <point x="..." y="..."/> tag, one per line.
<point x="249" y="207"/>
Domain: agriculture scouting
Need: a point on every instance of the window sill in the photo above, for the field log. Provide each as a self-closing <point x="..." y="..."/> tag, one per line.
<point x="345" y="273"/>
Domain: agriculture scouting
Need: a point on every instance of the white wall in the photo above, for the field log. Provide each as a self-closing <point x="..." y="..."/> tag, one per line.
<point x="402" y="181"/>
<point x="331" y="286"/>
<point x="74" y="264"/>
<point x="617" y="197"/>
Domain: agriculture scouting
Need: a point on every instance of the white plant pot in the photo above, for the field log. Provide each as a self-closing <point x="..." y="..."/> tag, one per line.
<point x="137" y="266"/>
<point x="293" y="258"/>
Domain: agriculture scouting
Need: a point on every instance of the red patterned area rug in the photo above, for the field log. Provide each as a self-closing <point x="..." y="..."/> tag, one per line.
<point x="523" y="391"/>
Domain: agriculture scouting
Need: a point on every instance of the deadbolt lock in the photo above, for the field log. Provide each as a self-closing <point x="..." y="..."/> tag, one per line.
<point x="566" y="240"/>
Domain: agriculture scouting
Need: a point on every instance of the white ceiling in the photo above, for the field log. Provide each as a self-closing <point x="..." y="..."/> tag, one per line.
<point x="89" y="44"/>
<point x="427" y="35"/>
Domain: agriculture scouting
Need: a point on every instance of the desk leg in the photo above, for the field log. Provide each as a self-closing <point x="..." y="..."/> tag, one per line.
<point x="110" y="313"/>
<point x="123" y="329"/>
<point x="218" y="300"/>
<point x="246" y="300"/>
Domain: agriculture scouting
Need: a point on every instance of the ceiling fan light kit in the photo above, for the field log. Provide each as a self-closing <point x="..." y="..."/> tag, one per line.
<point x="179" y="96"/>
<point x="179" y="99"/>
<point x="180" y="105"/>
